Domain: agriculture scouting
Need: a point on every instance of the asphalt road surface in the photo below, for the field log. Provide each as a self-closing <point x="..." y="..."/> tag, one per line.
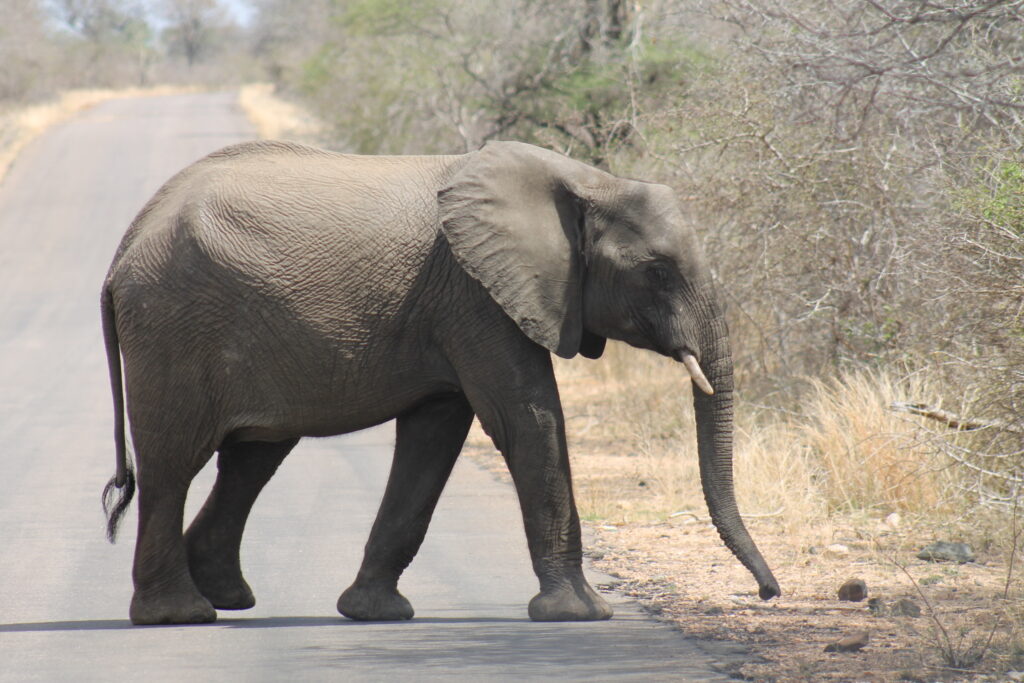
<point x="64" y="591"/>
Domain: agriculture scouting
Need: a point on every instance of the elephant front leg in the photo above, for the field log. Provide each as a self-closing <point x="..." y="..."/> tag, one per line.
<point x="531" y="436"/>
<point x="428" y="441"/>
<point x="215" y="536"/>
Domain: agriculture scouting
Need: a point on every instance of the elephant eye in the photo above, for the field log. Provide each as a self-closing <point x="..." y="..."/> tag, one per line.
<point x="657" y="274"/>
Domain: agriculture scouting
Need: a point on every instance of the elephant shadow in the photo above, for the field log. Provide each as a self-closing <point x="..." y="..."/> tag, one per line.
<point x="257" y="622"/>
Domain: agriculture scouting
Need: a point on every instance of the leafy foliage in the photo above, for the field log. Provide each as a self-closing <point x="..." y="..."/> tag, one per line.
<point x="856" y="167"/>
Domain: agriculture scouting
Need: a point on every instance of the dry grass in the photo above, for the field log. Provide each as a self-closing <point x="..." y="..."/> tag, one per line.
<point x="633" y="447"/>
<point x="870" y="456"/>
<point x="825" y="470"/>
<point x="20" y="126"/>
<point x="274" y="118"/>
<point x="841" y="450"/>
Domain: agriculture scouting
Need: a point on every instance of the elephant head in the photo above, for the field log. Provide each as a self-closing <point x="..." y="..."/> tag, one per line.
<point x="574" y="256"/>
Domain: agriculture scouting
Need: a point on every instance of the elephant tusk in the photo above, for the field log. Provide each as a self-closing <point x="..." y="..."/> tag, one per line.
<point x="696" y="376"/>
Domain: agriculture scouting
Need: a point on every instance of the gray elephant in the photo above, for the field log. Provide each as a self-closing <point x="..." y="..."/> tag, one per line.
<point x="273" y="291"/>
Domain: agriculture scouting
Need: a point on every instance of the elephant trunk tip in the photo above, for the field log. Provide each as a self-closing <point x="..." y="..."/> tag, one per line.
<point x="767" y="586"/>
<point x="769" y="589"/>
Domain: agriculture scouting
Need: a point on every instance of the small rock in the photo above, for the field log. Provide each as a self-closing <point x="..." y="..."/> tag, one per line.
<point x="714" y="611"/>
<point x="854" y="590"/>
<point x="837" y="550"/>
<point x="893" y="520"/>
<point x="877" y="607"/>
<point x="850" y="643"/>
<point x="942" y="551"/>
<point x="910" y="677"/>
<point x="905" y="607"/>
<point x="813" y="550"/>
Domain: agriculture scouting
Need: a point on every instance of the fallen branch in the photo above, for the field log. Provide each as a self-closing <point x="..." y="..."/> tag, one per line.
<point x="952" y="420"/>
<point x="752" y="515"/>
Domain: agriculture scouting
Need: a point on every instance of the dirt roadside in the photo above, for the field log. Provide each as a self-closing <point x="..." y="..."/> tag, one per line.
<point x="678" y="569"/>
<point x="680" y="572"/>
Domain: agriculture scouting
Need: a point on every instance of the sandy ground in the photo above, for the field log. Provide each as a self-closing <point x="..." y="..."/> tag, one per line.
<point x="683" y="573"/>
<point x="680" y="571"/>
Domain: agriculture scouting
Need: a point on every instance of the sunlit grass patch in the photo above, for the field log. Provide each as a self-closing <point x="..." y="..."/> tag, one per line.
<point x="273" y="117"/>
<point x="839" y="449"/>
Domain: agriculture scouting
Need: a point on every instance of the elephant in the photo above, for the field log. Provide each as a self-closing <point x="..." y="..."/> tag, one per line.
<point x="273" y="291"/>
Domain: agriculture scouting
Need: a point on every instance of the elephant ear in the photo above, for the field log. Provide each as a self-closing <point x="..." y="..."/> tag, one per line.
<point x="592" y="345"/>
<point x="514" y="218"/>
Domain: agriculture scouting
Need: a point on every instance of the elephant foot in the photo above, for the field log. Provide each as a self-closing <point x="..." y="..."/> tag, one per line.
<point x="190" y="608"/>
<point x="224" y="592"/>
<point x="569" y="601"/>
<point x="217" y="574"/>
<point x="374" y="602"/>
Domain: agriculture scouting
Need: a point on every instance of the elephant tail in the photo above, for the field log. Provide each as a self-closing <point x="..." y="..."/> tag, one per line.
<point x="116" y="502"/>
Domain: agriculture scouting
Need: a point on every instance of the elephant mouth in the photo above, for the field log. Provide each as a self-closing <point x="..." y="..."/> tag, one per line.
<point x="689" y="360"/>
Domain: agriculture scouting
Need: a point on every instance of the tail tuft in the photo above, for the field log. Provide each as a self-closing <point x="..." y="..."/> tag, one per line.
<point x="115" y="510"/>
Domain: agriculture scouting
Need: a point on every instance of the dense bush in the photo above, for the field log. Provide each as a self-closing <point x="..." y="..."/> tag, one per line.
<point x="856" y="167"/>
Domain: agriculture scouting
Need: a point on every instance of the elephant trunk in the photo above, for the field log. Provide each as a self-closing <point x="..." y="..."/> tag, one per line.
<point x="714" y="415"/>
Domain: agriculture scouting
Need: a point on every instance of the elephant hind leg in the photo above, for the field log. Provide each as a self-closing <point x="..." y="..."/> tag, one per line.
<point x="428" y="441"/>
<point x="214" y="537"/>
<point x="164" y="590"/>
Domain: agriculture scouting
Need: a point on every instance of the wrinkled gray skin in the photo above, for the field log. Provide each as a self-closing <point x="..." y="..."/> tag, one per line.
<point x="272" y="291"/>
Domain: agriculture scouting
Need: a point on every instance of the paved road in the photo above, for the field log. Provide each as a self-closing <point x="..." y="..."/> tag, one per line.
<point x="64" y="591"/>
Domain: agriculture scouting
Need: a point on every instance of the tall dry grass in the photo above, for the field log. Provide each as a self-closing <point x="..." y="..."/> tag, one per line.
<point x="869" y="456"/>
<point x="631" y="412"/>
<point x="839" y="449"/>
<point x="275" y="118"/>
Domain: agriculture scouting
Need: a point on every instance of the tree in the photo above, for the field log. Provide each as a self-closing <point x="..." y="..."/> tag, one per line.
<point x="25" y="50"/>
<point x="110" y="41"/>
<point x="450" y="74"/>
<point x="193" y="28"/>
<point x="99" y="21"/>
<point x="855" y="164"/>
<point x="285" y="35"/>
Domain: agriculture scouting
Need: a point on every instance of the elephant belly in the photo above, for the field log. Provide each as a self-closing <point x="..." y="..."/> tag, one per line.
<point x="330" y="408"/>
